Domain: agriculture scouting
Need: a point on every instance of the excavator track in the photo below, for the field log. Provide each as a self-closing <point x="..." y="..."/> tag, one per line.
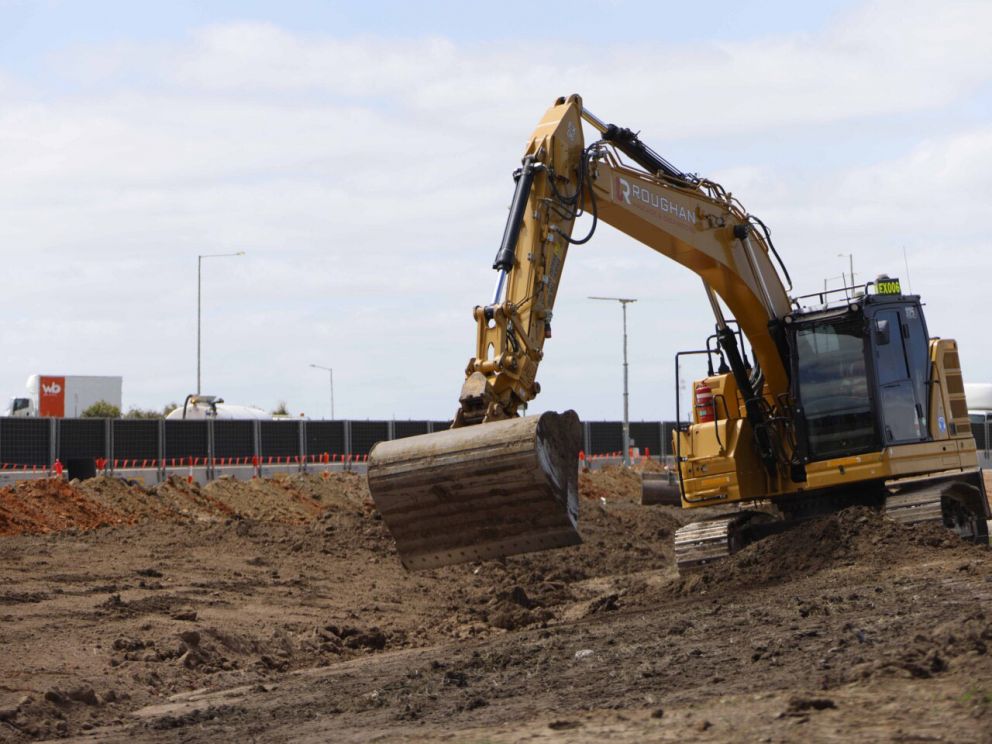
<point x="700" y="543"/>
<point x="957" y="501"/>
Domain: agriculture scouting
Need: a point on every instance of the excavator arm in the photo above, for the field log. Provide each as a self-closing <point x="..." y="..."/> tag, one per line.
<point x="690" y="220"/>
<point x="511" y="330"/>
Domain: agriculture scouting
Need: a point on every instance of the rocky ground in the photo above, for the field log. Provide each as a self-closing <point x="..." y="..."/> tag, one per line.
<point x="277" y="611"/>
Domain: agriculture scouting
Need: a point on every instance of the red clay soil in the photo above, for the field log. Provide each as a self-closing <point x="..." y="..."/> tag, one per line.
<point x="52" y="505"/>
<point x="55" y="505"/>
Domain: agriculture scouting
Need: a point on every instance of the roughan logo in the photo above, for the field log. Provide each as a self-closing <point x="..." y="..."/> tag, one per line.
<point x="639" y="196"/>
<point x="51" y="389"/>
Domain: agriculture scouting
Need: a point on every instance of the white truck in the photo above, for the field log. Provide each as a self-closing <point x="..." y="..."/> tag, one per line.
<point x="65" y="396"/>
<point x="979" y="395"/>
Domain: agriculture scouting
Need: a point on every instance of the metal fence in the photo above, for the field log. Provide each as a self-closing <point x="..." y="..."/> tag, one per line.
<point x="39" y="442"/>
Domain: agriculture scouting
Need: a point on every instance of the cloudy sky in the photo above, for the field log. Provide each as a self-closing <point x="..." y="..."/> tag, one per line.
<point x="360" y="154"/>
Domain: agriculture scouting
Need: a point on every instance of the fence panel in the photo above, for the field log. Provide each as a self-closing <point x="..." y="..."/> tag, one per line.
<point x="81" y="438"/>
<point x="280" y="438"/>
<point x="364" y="434"/>
<point x="325" y="436"/>
<point x="403" y="429"/>
<point x="646" y="434"/>
<point x="185" y="439"/>
<point x="135" y="439"/>
<point x="233" y="438"/>
<point x="605" y="437"/>
<point x="25" y="441"/>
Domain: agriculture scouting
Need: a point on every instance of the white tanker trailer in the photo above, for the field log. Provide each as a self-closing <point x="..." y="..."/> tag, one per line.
<point x="200" y="407"/>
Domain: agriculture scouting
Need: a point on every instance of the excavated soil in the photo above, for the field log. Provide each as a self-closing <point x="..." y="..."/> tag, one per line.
<point x="39" y="506"/>
<point x="277" y="611"/>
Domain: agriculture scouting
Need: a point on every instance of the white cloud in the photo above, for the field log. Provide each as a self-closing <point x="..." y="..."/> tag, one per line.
<point x="368" y="179"/>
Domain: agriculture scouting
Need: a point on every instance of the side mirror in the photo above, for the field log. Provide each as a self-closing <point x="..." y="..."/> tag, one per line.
<point x="881" y="332"/>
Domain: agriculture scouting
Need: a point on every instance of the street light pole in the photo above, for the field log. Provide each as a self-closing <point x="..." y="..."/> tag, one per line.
<point x="331" y="374"/>
<point x="199" y="304"/>
<point x="624" y="301"/>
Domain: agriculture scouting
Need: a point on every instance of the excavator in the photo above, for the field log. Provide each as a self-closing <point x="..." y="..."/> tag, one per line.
<point x="844" y="398"/>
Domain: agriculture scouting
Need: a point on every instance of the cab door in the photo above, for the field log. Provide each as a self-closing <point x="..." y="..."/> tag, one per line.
<point x="898" y="338"/>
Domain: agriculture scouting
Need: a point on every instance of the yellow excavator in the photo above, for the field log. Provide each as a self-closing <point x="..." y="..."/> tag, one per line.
<point x="844" y="399"/>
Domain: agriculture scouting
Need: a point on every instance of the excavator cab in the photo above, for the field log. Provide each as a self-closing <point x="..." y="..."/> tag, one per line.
<point x="875" y="395"/>
<point x="861" y="375"/>
<point x="875" y="415"/>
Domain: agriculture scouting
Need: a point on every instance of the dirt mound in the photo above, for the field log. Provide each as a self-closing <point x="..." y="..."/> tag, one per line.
<point x="128" y="498"/>
<point x="287" y="498"/>
<point x="331" y="488"/>
<point x="52" y="505"/>
<point x="647" y="465"/>
<point x="271" y="499"/>
<point x="189" y="500"/>
<point x="612" y="482"/>
<point x="858" y="535"/>
<point x="621" y="540"/>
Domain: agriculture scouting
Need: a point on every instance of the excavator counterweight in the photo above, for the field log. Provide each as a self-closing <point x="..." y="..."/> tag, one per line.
<point x="480" y="492"/>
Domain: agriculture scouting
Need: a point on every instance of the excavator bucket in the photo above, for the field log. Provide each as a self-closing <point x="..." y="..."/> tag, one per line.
<point x="480" y="492"/>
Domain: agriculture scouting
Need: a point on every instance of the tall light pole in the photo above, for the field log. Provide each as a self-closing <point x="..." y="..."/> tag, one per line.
<point x="331" y="373"/>
<point x="624" y="301"/>
<point x="199" y="305"/>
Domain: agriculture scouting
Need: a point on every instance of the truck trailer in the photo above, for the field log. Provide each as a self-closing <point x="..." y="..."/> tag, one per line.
<point x="65" y="396"/>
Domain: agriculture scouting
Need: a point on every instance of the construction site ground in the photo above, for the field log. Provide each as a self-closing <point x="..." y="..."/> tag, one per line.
<point x="276" y="611"/>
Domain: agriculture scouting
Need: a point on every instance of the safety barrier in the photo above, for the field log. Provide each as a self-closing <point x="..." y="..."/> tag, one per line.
<point x="39" y="445"/>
